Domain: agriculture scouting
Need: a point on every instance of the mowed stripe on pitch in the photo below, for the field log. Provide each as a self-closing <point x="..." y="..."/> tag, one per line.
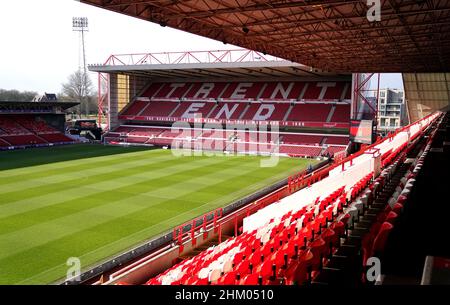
<point x="122" y="204"/>
<point x="110" y="216"/>
<point x="41" y="175"/>
<point x="140" y="219"/>
<point x="65" y="166"/>
<point x="123" y="183"/>
<point x="177" y="210"/>
<point x="123" y="177"/>
<point x="46" y="207"/>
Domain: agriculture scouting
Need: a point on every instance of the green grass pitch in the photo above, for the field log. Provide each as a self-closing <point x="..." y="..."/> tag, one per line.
<point x="93" y="201"/>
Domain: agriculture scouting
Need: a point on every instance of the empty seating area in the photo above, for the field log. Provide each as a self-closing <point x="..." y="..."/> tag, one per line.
<point x="9" y="126"/>
<point x="301" y="139"/>
<point x="134" y="108"/>
<point x="289" y="250"/>
<point x="36" y="126"/>
<point x="155" y="108"/>
<point x="301" y="151"/>
<point x="299" y="145"/>
<point x="308" y="104"/>
<point x="282" y="112"/>
<point x="25" y="130"/>
<point x="3" y="143"/>
<point x="335" y="140"/>
<point x="24" y="140"/>
<point x="341" y="113"/>
<point x="265" y="112"/>
<point x="311" y="103"/>
<point x="251" y="90"/>
<point x="324" y="241"/>
<point x="331" y="150"/>
<point x="285" y="250"/>
<point x="315" y="112"/>
<point x="421" y="229"/>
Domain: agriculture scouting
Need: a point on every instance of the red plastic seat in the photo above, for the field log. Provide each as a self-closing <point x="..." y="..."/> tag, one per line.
<point x="227" y="279"/>
<point x="398" y="208"/>
<point x="266" y="269"/>
<point x="315" y="226"/>
<point x="279" y="259"/>
<point x="247" y="251"/>
<point x="318" y="248"/>
<point x="305" y="232"/>
<point x="154" y="281"/>
<point x="402" y="199"/>
<point x="255" y="259"/>
<point x="345" y="218"/>
<point x="238" y="257"/>
<point x="201" y="282"/>
<point x="298" y="272"/>
<point x="382" y="236"/>
<point x="379" y="241"/>
<point x="290" y="249"/>
<point x="331" y="238"/>
<point x="243" y="268"/>
<point x="338" y="227"/>
<point x="251" y="279"/>
<point x="391" y="217"/>
<point x="267" y="250"/>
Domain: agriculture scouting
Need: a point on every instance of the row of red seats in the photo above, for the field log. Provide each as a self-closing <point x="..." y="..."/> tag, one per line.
<point x="386" y="160"/>
<point x="301" y="151"/>
<point x="245" y="136"/>
<point x="25" y="130"/>
<point x="331" y="150"/>
<point x="360" y="185"/>
<point x="252" y="90"/>
<point x="33" y="125"/>
<point x="10" y="127"/>
<point x="301" y="243"/>
<point x="257" y="111"/>
<point x="300" y="254"/>
<point x="374" y="242"/>
<point x="229" y="140"/>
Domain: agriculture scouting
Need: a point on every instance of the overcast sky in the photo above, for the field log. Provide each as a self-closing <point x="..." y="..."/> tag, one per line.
<point x="38" y="48"/>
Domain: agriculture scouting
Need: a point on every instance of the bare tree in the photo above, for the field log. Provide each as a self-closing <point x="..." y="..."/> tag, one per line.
<point x="79" y="88"/>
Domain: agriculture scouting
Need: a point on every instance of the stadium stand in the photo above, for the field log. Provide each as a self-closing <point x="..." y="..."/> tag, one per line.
<point x="315" y="243"/>
<point x="418" y="199"/>
<point x="298" y="104"/>
<point x="300" y="145"/>
<point x="292" y="102"/>
<point x="250" y="90"/>
<point x="25" y="130"/>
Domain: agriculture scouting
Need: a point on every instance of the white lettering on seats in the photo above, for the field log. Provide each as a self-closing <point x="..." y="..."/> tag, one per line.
<point x="192" y="110"/>
<point x="324" y="88"/>
<point x="174" y="87"/>
<point x="204" y="90"/>
<point x="227" y="111"/>
<point x="241" y="90"/>
<point x="280" y="89"/>
<point x="264" y="112"/>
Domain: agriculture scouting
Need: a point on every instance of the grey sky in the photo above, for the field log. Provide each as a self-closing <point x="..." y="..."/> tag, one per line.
<point x="39" y="49"/>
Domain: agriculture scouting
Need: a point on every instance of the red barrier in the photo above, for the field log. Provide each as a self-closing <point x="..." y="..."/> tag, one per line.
<point x="179" y="235"/>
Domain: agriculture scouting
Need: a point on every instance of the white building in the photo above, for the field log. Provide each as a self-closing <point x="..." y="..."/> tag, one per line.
<point x="391" y="110"/>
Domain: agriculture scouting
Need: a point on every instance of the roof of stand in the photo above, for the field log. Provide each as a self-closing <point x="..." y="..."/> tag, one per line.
<point x="217" y="64"/>
<point x="412" y="36"/>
